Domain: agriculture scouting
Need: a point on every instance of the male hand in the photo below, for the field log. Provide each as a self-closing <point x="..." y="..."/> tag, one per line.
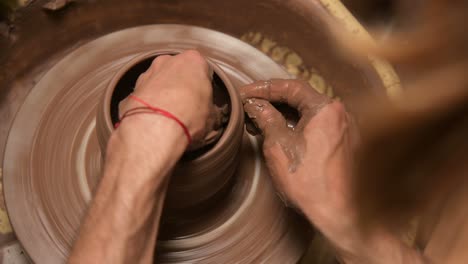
<point x="310" y="163"/>
<point x="140" y="156"/>
<point x="181" y="85"/>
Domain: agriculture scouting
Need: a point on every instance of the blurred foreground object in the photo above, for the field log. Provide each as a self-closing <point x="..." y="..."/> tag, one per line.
<point x="412" y="161"/>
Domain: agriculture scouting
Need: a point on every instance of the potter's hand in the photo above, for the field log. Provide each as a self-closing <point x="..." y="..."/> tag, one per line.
<point x="181" y="85"/>
<point x="310" y="162"/>
<point x="140" y="157"/>
<point x="311" y="167"/>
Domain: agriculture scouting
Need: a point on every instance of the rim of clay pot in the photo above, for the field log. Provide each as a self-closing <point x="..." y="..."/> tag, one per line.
<point x="235" y="115"/>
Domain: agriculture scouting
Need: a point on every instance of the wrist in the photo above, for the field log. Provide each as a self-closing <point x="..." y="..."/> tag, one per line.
<point x="148" y="141"/>
<point x="376" y="246"/>
<point x="373" y="246"/>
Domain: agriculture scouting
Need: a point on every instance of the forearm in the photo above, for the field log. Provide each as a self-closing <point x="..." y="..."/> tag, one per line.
<point x="375" y="246"/>
<point x="339" y="221"/>
<point x="122" y="222"/>
<point x="379" y="247"/>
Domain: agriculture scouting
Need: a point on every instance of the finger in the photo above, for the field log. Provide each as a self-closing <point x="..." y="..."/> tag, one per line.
<point x="123" y="106"/>
<point x="141" y="80"/>
<point x="250" y="127"/>
<point x="210" y="73"/>
<point x="193" y="59"/>
<point x="265" y="117"/>
<point x="213" y="136"/>
<point x="218" y="117"/>
<point x="295" y="93"/>
<point x="222" y="115"/>
<point x="155" y="67"/>
<point x="210" y="138"/>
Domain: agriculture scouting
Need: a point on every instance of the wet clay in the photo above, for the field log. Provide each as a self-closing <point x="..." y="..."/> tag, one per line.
<point x="58" y="161"/>
<point x="283" y="128"/>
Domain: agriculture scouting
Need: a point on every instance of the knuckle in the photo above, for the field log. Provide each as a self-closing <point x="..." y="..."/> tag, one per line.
<point x="336" y="114"/>
<point x="140" y="79"/>
<point x="272" y="149"/>
<point x="143" y="75"/>
<point x="193" y="54"/>
<point x="270" y="115"/>
<point x="196" y="57"/>
<point x="122" y="107"/>
<point x="300" y="83"/>
<point x="305" y="88"/>
<point x="164" y="57"/>
<point x="338" y="109"/>
<point x="159" y="59"/>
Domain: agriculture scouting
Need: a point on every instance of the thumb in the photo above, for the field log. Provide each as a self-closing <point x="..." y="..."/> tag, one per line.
<point x="266" y="117"/>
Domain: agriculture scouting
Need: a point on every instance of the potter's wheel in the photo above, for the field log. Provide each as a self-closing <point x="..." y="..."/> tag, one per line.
<point x="53" y="161"/>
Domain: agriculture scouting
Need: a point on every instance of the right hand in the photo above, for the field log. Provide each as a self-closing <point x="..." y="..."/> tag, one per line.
<point x="181" y="85"/>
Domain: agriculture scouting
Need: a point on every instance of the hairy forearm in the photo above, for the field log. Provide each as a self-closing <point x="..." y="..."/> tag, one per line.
<point x="122" y="222"/>
<point x="378" y="247"/>
<point x="374" y="246"/>
<point x="337" y="217"/>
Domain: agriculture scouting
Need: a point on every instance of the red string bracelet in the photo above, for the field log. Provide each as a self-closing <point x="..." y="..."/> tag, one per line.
<point x="134" y="111"/>
<point x="154" y="110"/>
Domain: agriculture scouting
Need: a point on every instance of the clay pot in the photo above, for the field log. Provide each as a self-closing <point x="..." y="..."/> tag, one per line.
<point x="202" y="174"/>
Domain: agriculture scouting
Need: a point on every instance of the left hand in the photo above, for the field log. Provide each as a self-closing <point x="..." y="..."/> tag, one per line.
<point x="310" y="163"/>
<point x="311" y="166"/>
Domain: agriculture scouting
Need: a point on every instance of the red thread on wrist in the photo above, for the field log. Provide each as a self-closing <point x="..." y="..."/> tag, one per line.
<point x="133" y="112"/>
<point x="154" y="110"/>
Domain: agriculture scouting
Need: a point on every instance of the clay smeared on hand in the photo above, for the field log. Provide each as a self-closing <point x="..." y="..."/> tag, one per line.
<point x="217" y="120"/>
<point x="282" y="127"/>
<point x="310" y="163"/>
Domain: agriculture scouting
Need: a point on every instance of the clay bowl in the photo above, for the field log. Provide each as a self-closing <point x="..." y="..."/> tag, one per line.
<point x="201" y="174"/>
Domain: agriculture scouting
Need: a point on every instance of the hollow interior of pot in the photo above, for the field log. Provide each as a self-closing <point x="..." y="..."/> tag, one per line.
<point x="126" y="84"/>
